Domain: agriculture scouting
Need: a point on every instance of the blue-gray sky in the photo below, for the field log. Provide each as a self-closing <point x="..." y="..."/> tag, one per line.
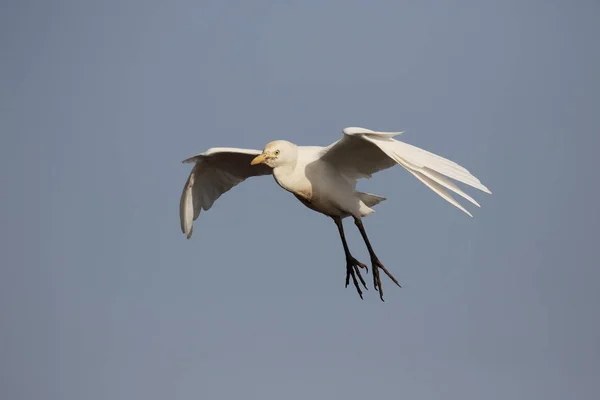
<point x="102" y="297"/>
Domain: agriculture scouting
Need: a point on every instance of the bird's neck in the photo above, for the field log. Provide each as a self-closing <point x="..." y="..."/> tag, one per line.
<point x="285" y="175"/>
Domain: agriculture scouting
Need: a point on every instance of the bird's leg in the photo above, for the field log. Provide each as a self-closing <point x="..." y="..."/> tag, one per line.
<point x="376" y="264"/>
<point x="352" y="264"/>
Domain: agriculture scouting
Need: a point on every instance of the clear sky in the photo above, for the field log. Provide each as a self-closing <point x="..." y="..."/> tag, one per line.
<point x="102" y="297"/>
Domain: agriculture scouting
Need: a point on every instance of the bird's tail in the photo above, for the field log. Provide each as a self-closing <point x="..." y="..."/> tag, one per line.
<point x="368" y="200"/>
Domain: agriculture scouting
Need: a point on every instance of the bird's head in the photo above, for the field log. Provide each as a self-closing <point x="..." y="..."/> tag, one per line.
<point x="277" y="153"/>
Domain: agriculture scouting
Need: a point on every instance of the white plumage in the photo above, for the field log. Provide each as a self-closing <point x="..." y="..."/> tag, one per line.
<point x="215" y="172"/>
<point x="324" y="179"/>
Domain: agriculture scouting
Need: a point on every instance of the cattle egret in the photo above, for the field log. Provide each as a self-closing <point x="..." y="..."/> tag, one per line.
<point x="324" y="180"/>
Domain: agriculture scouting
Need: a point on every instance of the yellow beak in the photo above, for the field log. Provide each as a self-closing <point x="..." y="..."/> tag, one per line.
<point x="259" y="159"/>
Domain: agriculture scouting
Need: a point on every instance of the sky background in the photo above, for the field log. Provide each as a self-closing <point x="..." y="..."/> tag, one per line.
<point x="102" y="297"/>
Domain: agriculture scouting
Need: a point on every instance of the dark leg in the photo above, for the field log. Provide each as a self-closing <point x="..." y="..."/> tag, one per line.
<point x="352" y="264"/>
<point x="376" y="264"/>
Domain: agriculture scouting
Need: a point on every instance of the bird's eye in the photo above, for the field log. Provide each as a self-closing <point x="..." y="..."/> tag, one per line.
<point x="276" y="152"/>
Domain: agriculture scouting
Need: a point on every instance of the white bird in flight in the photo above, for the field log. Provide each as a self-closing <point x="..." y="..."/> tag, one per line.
<point x="324" y="180"/>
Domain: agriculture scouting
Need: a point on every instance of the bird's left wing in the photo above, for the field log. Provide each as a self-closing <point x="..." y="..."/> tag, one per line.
<point x="215" y="172"/>
<point x="362" y="152"/>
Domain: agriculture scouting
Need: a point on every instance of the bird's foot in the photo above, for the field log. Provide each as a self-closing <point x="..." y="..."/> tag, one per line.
<point x="353" y="267"/>
<point x="376" y="265"/>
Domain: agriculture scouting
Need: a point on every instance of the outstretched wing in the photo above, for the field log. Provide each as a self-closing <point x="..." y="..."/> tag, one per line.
<point x="215" y="172"/>
<point x="362" y="152"/>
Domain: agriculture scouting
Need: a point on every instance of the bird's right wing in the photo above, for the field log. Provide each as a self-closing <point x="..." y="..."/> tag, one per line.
<point x="362" y="152"/>
<point x="215" y="172"/>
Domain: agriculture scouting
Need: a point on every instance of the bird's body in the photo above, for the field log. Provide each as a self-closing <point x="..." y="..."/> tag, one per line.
<point x="323" y="179"/>
<point x="318" y="185"/>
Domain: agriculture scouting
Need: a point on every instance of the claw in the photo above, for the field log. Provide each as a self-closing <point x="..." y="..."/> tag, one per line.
<point x="360" y="277"/>
<point x="376" y="266"/>
<point x="353" y="269"/>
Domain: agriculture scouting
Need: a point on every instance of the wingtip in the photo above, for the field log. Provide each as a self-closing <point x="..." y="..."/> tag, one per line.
<point x="192" y="159"/>
<point x="352" y="130"/>
<point x="485" y="189"/>
<point x="188" y="235"/>
<point x="357" y="130"/>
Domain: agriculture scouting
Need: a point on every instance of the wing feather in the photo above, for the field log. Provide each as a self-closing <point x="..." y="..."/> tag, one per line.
<point x="362" y="152"/>
<point x="439" y="190"/>
<point x="422" y="158"/>
<point x="215" y="172"/>
<point x="186" y="207"/>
